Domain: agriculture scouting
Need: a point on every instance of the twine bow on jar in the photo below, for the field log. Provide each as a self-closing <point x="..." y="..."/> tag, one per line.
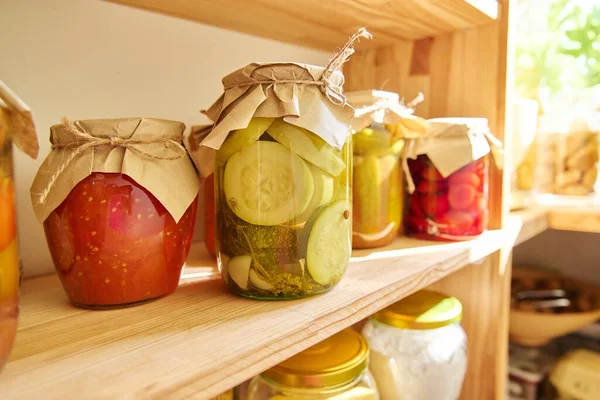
<point x="84" y="142"/>
<point x="332" y="90"/>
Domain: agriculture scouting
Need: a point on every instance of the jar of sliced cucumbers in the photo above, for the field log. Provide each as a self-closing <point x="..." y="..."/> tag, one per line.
<point x="282" y="186"/>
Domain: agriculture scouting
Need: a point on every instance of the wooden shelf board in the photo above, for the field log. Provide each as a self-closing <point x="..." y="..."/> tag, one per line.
<point x="534" y="221"/>
<point x="327" y="25"/>
<point x="202" y="340"/>
<point x="575" y="218"/>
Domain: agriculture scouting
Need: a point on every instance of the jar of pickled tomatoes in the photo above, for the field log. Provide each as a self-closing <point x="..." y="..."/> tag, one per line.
<point x="16" y="126"/>
<point x="449" y="180"/>
<point x="282" y="182"/>
<point x="380" y="125"/>
<point x="118" y="203"/>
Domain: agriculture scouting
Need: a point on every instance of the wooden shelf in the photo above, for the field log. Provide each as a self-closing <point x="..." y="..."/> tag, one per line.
<point x="202" y="340"/>
<point x="328" y="24"/>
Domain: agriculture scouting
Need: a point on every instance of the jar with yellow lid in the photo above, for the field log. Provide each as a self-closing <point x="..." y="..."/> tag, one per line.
<point x="418" y="348"/>
<point x="335" y="369"/>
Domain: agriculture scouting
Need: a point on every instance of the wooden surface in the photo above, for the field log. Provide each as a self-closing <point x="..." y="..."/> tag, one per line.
<point x="202" y="340"/>
<point x="579" y="219"/>
<point x="328" y="24"/>
<point x="534" y="221"/>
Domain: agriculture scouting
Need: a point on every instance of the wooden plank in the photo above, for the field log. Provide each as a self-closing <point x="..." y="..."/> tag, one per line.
<point x="534" y="221"/>
<point x="202" y="340"/>
<point x="579" y="219"/>
<point x="327" y="24"/>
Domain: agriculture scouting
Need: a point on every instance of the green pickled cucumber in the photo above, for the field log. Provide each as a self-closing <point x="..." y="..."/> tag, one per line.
<point x="307" y="145"/>
<point x="368" y="177"/>
<point x="328" y="247"/>
<point x="323" y="193"/>
<point x="371" y="141"/>
<point x="266" y="184"/>
<point x="342" y="188"/>
<point x="377" y="200"/>
<point x="241" y="138"/>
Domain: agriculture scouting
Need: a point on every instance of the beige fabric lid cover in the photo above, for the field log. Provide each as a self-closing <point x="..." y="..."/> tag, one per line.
<point x="153" y="157"/>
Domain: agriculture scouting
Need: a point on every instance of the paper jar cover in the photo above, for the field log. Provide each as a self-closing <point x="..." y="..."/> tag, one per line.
<point x="153" y="157"/>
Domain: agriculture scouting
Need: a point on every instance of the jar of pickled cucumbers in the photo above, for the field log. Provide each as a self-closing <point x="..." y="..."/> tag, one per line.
<point x="16" y="126"/>
<point x="377" y="190"/>
<point x="448" y="174"/>
<point x="282" y="181"/>
<point x="118" y="202"/>
<point x="336" y="368"/>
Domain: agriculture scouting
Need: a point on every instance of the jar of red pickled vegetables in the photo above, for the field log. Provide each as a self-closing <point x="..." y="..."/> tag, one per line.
<point x="377" y="189"/>
<point x="448" y="179"/>
<point x="282" y="180"/>
<point x="118" y="202"/>
<point x="16" y="126"/>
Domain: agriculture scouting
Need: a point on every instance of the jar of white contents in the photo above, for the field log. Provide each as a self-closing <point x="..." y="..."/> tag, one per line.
<point x="418" y="348"/>
<point x="335" y="369"/>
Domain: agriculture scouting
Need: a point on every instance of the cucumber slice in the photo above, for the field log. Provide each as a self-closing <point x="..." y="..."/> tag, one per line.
<point x="238" y="269"/>
<point x="241" y="138"/>
<point x="308" y="146"/>
<point x="323" y="194"/>
<point x="328" y="249"/>
<point x="266" y="184"/>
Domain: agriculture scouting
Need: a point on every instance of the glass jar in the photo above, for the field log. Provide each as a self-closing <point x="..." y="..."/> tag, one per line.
<point x="9" y="257"/>
<point x="418" y="348"/>
<point x="336" y="368"/>
<point x="448" y="209"/>
<point x="283" y="211"/>
<point x="114" y="244"/>
<point x="118" y="200"/>
<point x="210" y="227"/>
<point x="377" y="190"/>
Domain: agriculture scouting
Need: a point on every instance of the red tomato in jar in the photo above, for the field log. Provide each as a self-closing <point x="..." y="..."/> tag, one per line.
<point x="458" y="223"/>
<point x="435" y="206"/>
<point x="415" y="206"/>
<point x="461" y="196"/>
<point x="431" y="173"/>
<point x="465" y="177"/>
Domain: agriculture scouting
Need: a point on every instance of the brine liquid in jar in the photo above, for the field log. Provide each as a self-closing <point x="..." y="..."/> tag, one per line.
<point x="377" y="187"/>
<point x="283" y="211"/>
<point x="9" y="256"/>
<point x="448" y="209"/>
<point x="114" y="244"/>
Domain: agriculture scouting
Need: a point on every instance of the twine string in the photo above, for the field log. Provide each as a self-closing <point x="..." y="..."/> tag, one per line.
<point x="84" y="142"/>
<point x="332" y="90"/>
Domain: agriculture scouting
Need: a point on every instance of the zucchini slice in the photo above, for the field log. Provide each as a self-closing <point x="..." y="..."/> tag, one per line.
<point x="241" y="138"/>
<point x="266" y="184"/>
<point x="308" y="146"/>
<point x="329" y="245"/>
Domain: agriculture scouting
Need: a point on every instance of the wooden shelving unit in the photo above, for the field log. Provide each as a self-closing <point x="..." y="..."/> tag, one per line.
<point x="328" y="24"/>
<point x="202" y="339"/>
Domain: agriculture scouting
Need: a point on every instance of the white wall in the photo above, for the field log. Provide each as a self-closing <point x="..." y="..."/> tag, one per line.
<point x="91" y="59"/>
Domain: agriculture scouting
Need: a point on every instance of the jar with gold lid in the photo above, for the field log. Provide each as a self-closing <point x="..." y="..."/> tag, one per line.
<point x="418" y="348"/>
<point x="336" y="368"/>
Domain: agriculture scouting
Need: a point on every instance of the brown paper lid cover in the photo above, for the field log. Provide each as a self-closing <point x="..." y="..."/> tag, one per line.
<point x="147" y="150"/>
